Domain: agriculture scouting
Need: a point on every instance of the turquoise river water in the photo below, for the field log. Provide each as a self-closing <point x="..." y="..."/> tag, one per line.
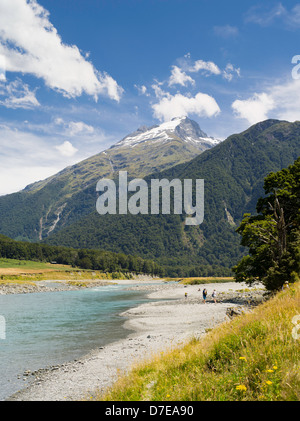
<point x="48" y="328"/>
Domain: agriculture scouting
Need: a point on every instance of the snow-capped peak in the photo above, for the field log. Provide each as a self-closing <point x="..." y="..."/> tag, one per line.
<point x="179" y="127"/>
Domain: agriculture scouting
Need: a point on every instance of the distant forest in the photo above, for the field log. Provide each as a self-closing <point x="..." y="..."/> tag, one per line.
<point x="105" y="261"/>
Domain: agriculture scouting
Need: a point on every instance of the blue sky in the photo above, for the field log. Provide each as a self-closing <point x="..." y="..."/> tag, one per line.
<point x="77" y="76"/>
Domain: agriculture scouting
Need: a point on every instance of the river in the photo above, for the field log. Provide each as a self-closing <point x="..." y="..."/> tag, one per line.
<point x="50" y="328"/>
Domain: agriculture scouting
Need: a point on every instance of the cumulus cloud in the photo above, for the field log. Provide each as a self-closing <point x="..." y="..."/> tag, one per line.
<point x="78" y="127"/>
<point x="179" y="77"/>
<point x="170" y="106"/>
<point x="207" y="66"/>
<point x="179" y="74"/>
<point x="159" y="92"/>
<point x="200" y="104"/>
<point x="66" y="149"/>
<point x="254" y="109"/>
<point x="32" y="45"/>
<point x="142" y="90"/>
<point x="281" y="101"/>
<point x="287" y="100"/>
<point x="74" y="128"/>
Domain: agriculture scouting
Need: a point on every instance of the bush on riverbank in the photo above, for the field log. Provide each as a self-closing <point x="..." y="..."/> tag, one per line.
<point x="253" y="357"/>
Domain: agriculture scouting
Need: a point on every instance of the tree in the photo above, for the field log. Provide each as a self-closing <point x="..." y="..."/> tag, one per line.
<point x="273" y="235"/>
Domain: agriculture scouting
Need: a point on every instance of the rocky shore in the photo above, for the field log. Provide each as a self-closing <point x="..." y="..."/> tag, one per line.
<point x="47" y="286"/>
<point x="11" y="287"/>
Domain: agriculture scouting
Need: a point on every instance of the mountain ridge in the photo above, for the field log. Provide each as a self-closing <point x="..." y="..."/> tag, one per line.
<point x="233" y="171"/>
<point x="47" y="202"/>
<point x="182" y="127"/>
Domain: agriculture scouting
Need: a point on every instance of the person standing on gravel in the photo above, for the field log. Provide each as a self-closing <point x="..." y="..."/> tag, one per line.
<point x="204" y="294"/>
<point x="214" y="295"/>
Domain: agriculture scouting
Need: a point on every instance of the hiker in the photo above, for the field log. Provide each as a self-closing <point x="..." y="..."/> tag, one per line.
<point x="285" y="285"/>
<point x="214" y="295"/>
<point x="204" y="294"/>
<point x="185" y="295"/>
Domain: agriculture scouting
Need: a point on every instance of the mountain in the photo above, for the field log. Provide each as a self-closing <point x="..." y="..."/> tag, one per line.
<point x="182" y="129"/>
<point x="44" y="207"/>
<point x="233" y="172"/>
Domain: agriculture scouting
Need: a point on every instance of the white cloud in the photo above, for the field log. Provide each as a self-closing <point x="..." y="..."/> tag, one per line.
<point x="170" y="106"/>
<point x="254" y="109"/>
<point x="293" y="19"/>
<point x="142" y="90"/>
<point x="31" y="44"/>
<point x="260" y="16"/>
<point x="2" y="68"/>
<point x="17" y="95"/>
<point x="74" y="128"/>
<point x="16" y="178"/>
<point x="178" y="77"/>
<point x="266" y="16"/>
<point x="66" y="149"/>
<point x="26" y="158"/>
<point x="78" y="127"/>
<point x="280" y="101"/>
<point x="207" y="66"/>
<point x="287" y="100"/>
<point x="229" y="71"/>
<point x="30" y="153"/>
<point x="159" y="93"/>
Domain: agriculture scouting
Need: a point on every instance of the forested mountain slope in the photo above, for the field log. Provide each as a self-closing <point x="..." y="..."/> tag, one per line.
<point x="233" y="172"/>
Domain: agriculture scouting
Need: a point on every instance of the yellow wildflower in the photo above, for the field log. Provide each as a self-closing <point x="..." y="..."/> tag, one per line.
<point x="270" y="371"/>
<point x="243" y="358"/>
<point x="268" y="382"/>
<point x="241" y="387"/>
<point x="275" y="367"/>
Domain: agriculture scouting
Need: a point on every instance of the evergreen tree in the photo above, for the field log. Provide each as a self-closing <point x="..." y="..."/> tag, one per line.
<point x="273" y="235"/>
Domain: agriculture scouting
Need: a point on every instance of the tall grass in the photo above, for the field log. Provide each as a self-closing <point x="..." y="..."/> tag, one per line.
<point x="252" y="357"/>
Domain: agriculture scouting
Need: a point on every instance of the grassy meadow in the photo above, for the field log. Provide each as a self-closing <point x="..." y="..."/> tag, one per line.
<point x="13" y="270"/>
<point x="28" y="265"/>
<point x="254" y="357"/>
